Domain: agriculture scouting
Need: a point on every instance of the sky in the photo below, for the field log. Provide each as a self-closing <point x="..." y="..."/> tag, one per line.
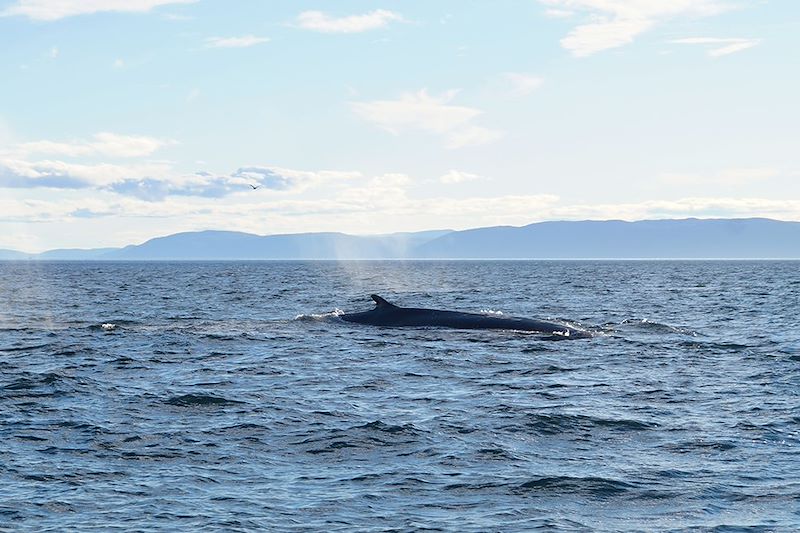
<point x="123" y="120"/>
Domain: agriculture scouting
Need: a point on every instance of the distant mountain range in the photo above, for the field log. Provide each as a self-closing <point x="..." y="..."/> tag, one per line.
<point x="686" y="238"/>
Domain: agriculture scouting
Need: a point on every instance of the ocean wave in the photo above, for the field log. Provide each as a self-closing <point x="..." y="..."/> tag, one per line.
<point x="48" y="384"/>
<point x="371" y="435"/>
<point x="700" y="446"/>
<point x="593" y="486"/>
<point x="645" y="324"/>
<point x="550" y="424"/>
<point x="200" y="400"/>
<point x="25" y="348"/>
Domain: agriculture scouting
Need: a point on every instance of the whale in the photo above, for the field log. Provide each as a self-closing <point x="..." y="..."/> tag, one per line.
<point x="390" y="315"/>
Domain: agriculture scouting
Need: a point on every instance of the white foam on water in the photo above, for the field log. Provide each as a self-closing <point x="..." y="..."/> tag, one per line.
<point x="320" y="316"/>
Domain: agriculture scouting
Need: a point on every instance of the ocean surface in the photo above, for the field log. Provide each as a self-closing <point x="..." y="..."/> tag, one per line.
<point x="230" y="396"/>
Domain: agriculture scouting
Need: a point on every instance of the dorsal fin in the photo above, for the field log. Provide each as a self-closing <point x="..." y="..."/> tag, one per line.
<point x="380" y="302"/>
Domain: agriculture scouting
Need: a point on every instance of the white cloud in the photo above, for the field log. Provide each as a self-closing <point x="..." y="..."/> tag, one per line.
<point x="151" y="179"/>
<point x="17" y="173"/>
<point x="456" y="176"/>
<point x="720" y="47"/>
<point x="614" y="23"/>
<point x="235" y="42"/>
<point x="103" y="144"/>
<point x="733" y="48"/>
<point x="54" y="52"/>
<point x="14" y="210"/>
<point x="391" y="180"/>
<point x="521" y="84"/>
<point x="587" y="39"/>
<point x="285" y="179"/>
<point x="422" y="112"/>
<point x="494" y="210"/>
<point x="321" y="22"/>
<point x="58" y="9"/>
<point x="728" y="177"/>
<point x="156" y="181"/>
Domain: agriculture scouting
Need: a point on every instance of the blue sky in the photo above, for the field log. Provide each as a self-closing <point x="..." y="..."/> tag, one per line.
<point x="121" y="120"/>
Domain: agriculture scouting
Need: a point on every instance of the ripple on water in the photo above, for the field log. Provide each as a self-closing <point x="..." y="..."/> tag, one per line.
<point x="371" y="436"/>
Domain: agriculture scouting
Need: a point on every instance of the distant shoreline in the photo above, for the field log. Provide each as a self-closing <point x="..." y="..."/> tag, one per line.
<point x="668" y="239"/>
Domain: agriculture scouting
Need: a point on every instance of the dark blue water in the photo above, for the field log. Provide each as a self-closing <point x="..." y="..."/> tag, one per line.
<point x="228" y="396"/>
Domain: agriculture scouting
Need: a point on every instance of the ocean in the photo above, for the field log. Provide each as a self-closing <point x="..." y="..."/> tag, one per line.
<point x="230" y="396"/>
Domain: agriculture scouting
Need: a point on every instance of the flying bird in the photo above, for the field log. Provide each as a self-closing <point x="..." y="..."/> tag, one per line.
<point x="254" y="186"/>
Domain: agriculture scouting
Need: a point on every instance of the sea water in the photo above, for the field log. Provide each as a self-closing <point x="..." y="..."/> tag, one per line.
<point x="230" y="396"/>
